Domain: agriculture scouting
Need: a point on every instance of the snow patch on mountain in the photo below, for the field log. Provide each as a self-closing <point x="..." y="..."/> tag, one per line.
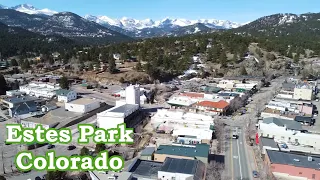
<point x="287" y="19"/>
<point x="134" y="24"/>
<point x="29" y="9"/>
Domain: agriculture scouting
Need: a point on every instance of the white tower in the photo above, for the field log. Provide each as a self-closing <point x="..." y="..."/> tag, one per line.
<point x="133" y="95"/>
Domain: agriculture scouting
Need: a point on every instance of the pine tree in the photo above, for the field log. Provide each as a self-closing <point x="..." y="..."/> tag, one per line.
<point x="84" y="151"/>
<point x="100" y="147"/>
<point x="3" y="85"/>
<point x="14" y="62"/>
<point x="223" y="59"/>
<point x="64" y="83"/>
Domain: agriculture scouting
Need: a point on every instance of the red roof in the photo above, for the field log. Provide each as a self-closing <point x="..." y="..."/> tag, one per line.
<point x="220" y="104"/>
<point x="193" y="95"/>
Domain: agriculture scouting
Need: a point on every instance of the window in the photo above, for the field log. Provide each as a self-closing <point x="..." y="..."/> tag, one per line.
<point x="313" y="176"/>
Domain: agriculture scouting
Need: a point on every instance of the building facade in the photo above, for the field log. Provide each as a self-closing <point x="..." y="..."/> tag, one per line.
<point x="82" y="105"/>
<point x="65" y="95"/>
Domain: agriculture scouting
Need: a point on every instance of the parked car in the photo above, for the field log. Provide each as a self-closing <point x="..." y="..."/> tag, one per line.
<point x="2" y="119"/>
<point x="51" y="146"/>
<point x="71" y="147"/>
<point x="255" y="174"/>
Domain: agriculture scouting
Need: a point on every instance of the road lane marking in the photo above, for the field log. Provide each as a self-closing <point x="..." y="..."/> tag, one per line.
<point x="236" y="157"/>
<point x="231" y="156"/>
<point x="239" y="159"/>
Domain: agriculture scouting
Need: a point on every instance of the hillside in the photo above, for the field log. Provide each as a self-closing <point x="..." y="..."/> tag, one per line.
<point x="65" y="24"/>
<point x="16" y="40"/>
<point x="279" y="31"/>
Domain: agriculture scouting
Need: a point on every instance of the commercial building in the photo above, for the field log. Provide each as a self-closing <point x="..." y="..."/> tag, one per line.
<point x="103" y="175"/>
<point x="82" y="105"/>
<point x="65" y="95"/>
<point x="199" y="152"/>
<point x="40" y="90"/>
<point x="267" y="144"/>
<point x="181" y="101"/>
<point x="128" y="112"/>
<point x="303" y="92"/>
<point x="288" y="131"/>
<point x="182" y="169"/>
<point x="193" y="135"/>
<point x="142" y="169"/>
<point x="219" y="107"/>
<point x="169" y="120"/>
<point x="292" y="166"/>
<point x="14" y="93"/>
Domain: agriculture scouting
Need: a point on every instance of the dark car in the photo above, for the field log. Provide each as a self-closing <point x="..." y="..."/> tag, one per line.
<point x="38" y="178"/>
<point x="255" y="174"/>
<point x="74" y="155"/>
<point x="71" y="147"/>
<point x="51" y="146"/>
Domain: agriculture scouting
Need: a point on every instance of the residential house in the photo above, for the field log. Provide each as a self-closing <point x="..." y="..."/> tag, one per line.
<point x="65" y="95"/>
<point x="20" y="105"/>
<point x="219" y="107"/>
<point x="199" y="152"/>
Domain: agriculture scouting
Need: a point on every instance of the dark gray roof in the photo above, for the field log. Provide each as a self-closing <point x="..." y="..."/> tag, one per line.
<point x="278" y="157"/>
<point x="124" y="108"/>
<point x="288" y="85"/>
<point x="184" y="166"/>
<point x="303" y="119"/>
<point x="148" y="151"/>
<point x="146" y="169"/>
<point x="17" y="100"/>
<point x="228" y="94"/>
<point x="290" y="124"/>
<point x="268" y="142"/>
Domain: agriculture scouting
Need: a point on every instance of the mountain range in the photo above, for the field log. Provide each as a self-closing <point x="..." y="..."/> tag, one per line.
<point x="141" y="28"/>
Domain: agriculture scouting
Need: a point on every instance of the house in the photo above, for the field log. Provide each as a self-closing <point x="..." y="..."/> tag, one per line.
<point x="48" y="107"/>
<point x="103" y="175"/>
<point x="55" y="55"/>
<point x="287" y="131"/>
<point x="182" y="169"/>
<point x="199" y="152"/>
<point x="65" y="95"/>
<point x="147" y="153"/>
<point x="292" y="166"/>
<point x="303" y="92"/>
<point x="82" y="105"/>
<point x="23" y="108"/>
<point x="46" y="90"/>
<point x="219" y="107"/>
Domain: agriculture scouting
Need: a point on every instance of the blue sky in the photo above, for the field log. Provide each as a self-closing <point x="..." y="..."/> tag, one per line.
<point x="234" y="10"/>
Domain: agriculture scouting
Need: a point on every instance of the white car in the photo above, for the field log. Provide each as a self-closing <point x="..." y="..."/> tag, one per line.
<point x="317" y="100"/>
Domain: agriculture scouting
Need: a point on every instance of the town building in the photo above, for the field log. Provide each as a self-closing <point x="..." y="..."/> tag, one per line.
<point x="103" y="175"/>
<point x="169" y="120"/>
<point x="199" y="152"/>
<point x="143" y="169"/>
<point x="303" y="92"/>
<point x="292" y="166"/>
<point x="65" y="95"/>
<point x="14" y="93"/>
<point x="182" y="169"/>
<point x="147" y="153"/>
<point x="20" y="105"/>
<point x="267" y="144"/>
<point x="40" y="89"/>
<point x="181" y="102"/>
<point x="124" y="112"/>
<point x="82" y="105"/>
<point x="287" y="131"/>
<point x="218" y="108"/>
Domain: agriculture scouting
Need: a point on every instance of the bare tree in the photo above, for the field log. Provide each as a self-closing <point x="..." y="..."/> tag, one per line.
<point x="219" y="133"/>
<point x="214" y="171"/>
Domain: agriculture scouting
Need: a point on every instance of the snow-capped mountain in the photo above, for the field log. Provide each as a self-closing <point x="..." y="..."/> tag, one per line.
<point x="141" y="28"/>
<point x="29" y="9"/>
<point x="130" y="23"/>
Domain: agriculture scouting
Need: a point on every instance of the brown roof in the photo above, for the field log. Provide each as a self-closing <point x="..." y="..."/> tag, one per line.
<point x="220" y="104"/>
<point x="193" y="95"/>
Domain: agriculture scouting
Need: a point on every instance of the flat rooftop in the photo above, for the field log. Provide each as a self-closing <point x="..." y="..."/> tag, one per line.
<point x="146" y="169"/>
<point x="278" y="157"/>
<point x="83" y="101"/>
<point x="200" y="150"/>
<point x="124" y="108"/>
<point x="268" y="142"/>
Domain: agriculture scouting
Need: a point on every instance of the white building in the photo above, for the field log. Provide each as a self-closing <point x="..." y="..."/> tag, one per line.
<point x="134" y="90"/>
<point x="122" y="112"/>
<point x="287" y="131"/>
<point x="82" y="105"/>
<point x="45" y="90"/>
<point x="226" y="84"/>
<point x="65" y="95"/>
<point x="282" y="106"/>
<point x="303" y="92"/>
<point x="202" y="135"/>
<point x="14" y="93"/>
